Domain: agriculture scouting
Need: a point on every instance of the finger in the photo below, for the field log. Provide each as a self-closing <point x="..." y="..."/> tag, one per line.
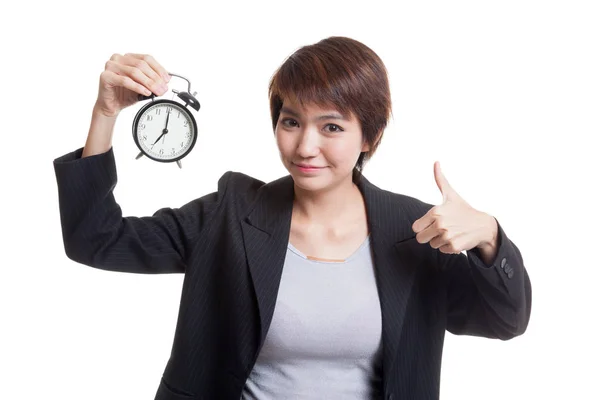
<point x="139" y="63"/>
<point x="454" y="246"/>
<point x="159" y="69"/>
<point x="446" y="189"/>
<point x="448" y="249"/>
<point x="440" y="180"/>
<point x="442" y="239"/>
<point x="422" y="223"/>
<point x="114" y="79"/>
<point x="426" y="219"/>
<point x="430" y="232"/>
<point x="147" y="64"/>
<point x="138" y="74"/>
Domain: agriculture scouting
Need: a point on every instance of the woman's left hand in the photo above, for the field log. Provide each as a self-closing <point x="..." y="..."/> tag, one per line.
<point x="454" y="225"/>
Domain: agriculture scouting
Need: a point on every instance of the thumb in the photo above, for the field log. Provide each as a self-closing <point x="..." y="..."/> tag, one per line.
<point x="442" y="182"/>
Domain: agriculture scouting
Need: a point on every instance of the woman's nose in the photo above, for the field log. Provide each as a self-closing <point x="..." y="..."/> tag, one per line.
<point x="309" y="143"/>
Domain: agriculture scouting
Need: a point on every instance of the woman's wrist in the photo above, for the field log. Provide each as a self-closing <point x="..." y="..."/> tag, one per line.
<point x="99" y="139"/>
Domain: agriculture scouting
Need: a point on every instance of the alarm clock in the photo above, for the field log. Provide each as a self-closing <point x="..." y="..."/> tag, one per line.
<point x="165" y="130"/>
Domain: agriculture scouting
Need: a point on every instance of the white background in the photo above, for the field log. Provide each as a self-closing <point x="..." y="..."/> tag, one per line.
<point x="504" y="94"/>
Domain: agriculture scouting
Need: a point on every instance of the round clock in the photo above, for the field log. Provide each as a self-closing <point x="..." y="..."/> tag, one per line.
<point x="165" y="130"/>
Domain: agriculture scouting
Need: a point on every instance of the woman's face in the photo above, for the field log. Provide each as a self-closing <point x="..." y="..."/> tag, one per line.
<point x="318" y="137"/>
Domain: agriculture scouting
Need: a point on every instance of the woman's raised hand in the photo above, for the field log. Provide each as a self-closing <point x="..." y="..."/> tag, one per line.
<point x="125" y="77"/>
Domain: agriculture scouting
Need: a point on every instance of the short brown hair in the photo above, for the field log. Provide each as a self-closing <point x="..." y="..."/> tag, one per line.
<point x="343" y="73"/>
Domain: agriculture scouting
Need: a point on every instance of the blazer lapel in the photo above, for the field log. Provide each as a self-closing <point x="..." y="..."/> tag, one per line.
<point x="391" y="235"/>
<point x="266" y="234"/>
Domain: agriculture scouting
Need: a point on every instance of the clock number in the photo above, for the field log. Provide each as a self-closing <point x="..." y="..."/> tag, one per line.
<point x="142" y="126"/>
<point x="178" y="114"/>
<point x="185" y="123"/>
<point x="149" y="117"/>
<point x="181" y="144"/>
<point x="161" y="152"/>
<point x="173" y="150"/>
<point x="188" y="134"/>
<point x="158" y="111"/>
<point x="145" y="137"/>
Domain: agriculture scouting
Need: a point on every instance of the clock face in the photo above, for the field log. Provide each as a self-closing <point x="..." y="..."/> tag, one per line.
<point x="165" y="131"/>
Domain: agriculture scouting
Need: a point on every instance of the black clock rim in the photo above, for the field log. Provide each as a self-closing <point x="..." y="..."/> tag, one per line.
<point x="136" y="120"/>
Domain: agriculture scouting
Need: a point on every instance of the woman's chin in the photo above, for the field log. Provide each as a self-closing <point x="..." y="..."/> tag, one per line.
<point x="308" y="183"/>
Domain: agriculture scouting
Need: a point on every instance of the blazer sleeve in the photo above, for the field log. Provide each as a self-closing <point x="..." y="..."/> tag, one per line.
<point x="491" y="301"/>
<point x="96" y="234"/>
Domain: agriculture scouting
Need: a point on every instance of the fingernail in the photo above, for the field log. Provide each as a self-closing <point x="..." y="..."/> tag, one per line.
<point x="167" y="77"/>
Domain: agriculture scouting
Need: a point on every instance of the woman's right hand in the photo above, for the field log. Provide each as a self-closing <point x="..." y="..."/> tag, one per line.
<point x="126" y="76"/>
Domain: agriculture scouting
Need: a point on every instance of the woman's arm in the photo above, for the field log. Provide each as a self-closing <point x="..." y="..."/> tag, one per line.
<point x="96" y="234"/>
<point x="487" y="300"/>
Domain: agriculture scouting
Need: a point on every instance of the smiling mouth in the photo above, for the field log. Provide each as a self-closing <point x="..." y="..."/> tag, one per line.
<point x="305" y="170"/>
<point x="307" y="166"/>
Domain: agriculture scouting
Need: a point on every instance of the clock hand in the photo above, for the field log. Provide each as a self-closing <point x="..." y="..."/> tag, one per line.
<point x="161" y="135"/>
<point x="167" y="124"/>
<point x="165" y="131"/>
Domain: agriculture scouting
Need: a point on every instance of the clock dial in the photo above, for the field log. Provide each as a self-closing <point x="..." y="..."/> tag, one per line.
<point x="165" y="131"/>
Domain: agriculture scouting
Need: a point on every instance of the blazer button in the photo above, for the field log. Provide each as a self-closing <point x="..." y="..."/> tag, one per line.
<point x="510" y="274"/>
<point x="503" y="263"/>
<point x="390" y="396"/>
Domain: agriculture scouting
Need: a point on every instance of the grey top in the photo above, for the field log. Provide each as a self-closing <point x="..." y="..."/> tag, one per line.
<point x="324" y="341"/>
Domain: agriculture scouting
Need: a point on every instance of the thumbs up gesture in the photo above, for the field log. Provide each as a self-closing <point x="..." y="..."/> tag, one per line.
<point x="454" y="225"/>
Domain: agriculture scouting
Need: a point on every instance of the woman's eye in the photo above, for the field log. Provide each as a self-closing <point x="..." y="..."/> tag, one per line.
<point x="335" y="126"/>
<point x="288" y="120"/>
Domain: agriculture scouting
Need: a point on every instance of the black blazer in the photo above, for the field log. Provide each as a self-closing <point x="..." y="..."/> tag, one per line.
<point x="231" y="246"/>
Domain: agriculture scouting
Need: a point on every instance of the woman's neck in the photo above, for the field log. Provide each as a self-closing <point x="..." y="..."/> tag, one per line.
<point x="329" y="210"/>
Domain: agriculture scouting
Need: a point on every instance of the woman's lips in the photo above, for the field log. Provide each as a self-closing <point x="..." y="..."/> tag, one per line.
<point x="308" y="169"/>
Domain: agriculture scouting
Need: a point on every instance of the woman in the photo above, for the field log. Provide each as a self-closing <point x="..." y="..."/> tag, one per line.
<point x="318" y="284"/>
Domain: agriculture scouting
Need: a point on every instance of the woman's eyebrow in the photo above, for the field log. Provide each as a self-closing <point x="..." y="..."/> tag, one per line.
<point x="333" y="115"/>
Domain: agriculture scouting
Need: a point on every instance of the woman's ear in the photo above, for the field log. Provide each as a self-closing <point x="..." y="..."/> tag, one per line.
<point x="365" y="148"/>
